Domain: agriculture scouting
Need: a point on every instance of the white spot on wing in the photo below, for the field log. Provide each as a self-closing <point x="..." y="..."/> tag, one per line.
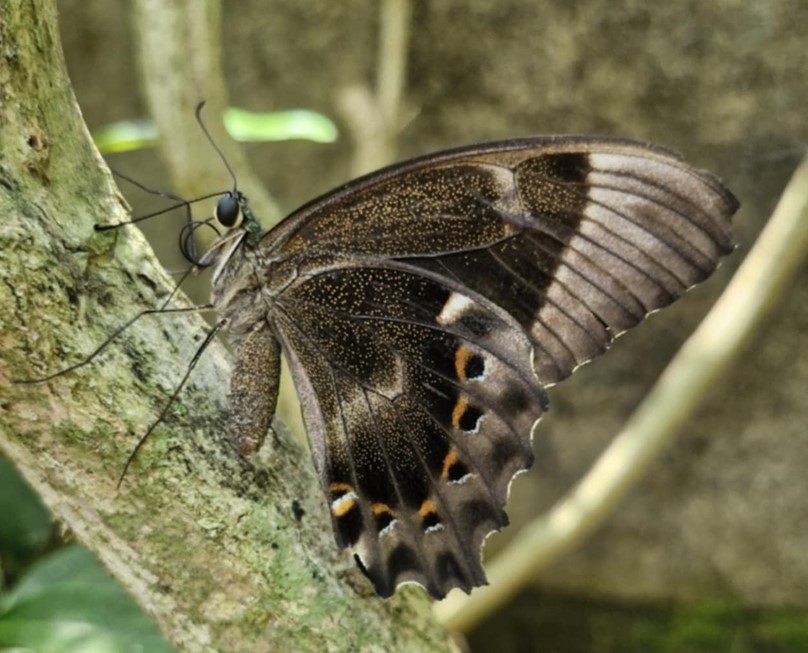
<point x="387" y="529"/>
<point x="345" y="498"/>
<point x="454" y="308"/>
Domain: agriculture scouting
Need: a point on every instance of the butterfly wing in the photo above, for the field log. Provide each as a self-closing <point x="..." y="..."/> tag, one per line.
<point x="417" y="425"/>
<point x="424" y="309"/>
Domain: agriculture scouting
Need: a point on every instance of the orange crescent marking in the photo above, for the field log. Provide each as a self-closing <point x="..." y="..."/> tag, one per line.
<point x="427" y="507"/>
<point x="343" y="507"/>
<point x="462" y="356"/>
<point x="459" y="410"/>
<point x="448" y="462"/>
<point x="341" y="487"/>
<point x="379" y="508"/>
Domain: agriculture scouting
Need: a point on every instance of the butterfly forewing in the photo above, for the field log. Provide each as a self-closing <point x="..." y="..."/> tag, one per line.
<point x="424" y="309"/>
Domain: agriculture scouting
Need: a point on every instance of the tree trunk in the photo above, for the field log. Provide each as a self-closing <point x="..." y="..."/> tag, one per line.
<point x="223" y="555"/>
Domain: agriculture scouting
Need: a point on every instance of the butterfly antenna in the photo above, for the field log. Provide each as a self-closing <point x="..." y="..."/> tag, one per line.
<point x="200" y="350"/>
<point x="89" y="359"/>
<point x="117" y="225"/>
<point x="215" y="147"/>
<point x="120" y="329"/>
<point x="188" y="244"/>
<point x="153" y="191"/>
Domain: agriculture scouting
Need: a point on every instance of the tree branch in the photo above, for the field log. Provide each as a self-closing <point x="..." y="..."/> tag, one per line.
<point x="217" y="551"/>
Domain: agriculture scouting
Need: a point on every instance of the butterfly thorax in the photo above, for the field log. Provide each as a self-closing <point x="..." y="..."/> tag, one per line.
<point x="236" y="290"/>
<point x="235" y="285"/>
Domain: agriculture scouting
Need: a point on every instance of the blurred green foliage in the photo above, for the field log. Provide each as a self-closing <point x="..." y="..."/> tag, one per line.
<point x="57" y="598"/>
<point x="242" y="125"/>
<point x="558" y="624"/>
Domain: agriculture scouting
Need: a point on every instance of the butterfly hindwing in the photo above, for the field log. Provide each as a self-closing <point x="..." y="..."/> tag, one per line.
<point x="424" y="309"/>
<point x="428" y="417"/>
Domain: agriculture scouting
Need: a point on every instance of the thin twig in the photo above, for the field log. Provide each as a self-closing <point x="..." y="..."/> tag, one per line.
<point x="394" y="40"/>
<point x="373" y="119"/>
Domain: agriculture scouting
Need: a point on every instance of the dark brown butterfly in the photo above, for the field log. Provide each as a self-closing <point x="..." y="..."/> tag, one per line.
<point x="425" y="308"/>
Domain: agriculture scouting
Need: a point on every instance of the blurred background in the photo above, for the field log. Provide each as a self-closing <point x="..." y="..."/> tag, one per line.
<point x="710" y="553"/>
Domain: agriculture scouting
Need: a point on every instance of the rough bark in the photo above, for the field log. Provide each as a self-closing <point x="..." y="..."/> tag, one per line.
<point x="209" y="545"/>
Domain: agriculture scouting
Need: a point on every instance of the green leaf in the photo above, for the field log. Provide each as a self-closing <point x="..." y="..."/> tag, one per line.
<point x="26" y="523"/>
<point x="242" y="125"/>
<point x="68" y="604"/>
<point x="279" y="125"/>
<point x="125" y="135"/>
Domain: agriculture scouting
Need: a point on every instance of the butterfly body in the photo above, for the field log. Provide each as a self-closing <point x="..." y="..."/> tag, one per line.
<point x="425" y="308"/>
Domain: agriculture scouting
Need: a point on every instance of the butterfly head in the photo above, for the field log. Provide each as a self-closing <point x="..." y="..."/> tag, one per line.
<point x="228" y="211"/>
<point x="233" y="213"/>
<point x="234" y="223"/>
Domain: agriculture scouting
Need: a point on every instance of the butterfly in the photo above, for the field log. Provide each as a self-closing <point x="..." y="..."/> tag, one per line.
<point x="425" y="309"/>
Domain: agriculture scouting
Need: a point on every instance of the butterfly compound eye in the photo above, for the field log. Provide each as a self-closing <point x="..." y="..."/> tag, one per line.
<point x="228" y="211"/>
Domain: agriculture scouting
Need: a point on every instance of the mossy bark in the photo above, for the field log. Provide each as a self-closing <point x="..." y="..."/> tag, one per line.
<point x="224" y="556"/>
